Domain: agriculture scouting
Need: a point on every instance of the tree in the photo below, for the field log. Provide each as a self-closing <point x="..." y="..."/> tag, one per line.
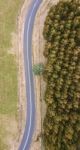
<point x="38" y="69"/>
<point x="62" y="76"/>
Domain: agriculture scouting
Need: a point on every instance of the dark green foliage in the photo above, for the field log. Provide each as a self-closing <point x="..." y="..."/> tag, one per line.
<point x="62" y="75"/>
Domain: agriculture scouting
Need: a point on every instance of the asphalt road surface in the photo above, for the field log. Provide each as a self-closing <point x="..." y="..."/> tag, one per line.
<point x="30" y="97"/>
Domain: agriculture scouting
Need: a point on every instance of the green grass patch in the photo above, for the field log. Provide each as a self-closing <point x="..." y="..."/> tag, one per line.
<point x="3" y="145"/>
<point x="8" y="85"/>
<point x="8" y="14"/>
<point x="8" y="68"/>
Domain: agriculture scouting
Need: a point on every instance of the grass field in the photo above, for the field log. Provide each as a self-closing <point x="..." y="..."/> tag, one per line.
<point x="8" y="68"/>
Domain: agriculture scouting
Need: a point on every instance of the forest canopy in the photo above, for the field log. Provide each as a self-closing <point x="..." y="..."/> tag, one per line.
<point x="62" y="76"/>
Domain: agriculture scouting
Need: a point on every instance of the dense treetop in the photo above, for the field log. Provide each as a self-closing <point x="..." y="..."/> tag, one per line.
<point x="62" y="75"/>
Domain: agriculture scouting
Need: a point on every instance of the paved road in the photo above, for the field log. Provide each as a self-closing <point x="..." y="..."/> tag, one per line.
<point x="30" y="101"/>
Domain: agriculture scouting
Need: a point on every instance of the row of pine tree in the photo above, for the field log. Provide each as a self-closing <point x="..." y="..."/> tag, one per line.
<point x="62" y="76"/>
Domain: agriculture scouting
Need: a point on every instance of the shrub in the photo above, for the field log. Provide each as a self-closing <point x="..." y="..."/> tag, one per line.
<point x="38" y="69"/>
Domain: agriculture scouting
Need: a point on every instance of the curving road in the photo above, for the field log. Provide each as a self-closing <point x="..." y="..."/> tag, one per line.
<point x="30" y="117"/>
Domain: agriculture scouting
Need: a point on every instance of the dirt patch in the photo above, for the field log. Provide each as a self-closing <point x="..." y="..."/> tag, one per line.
<point x="9" y="124"/>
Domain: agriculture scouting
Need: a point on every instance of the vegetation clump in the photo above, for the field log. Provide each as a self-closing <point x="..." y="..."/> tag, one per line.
<point x="38" y="69"/>
<point x="62" y="75"/>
